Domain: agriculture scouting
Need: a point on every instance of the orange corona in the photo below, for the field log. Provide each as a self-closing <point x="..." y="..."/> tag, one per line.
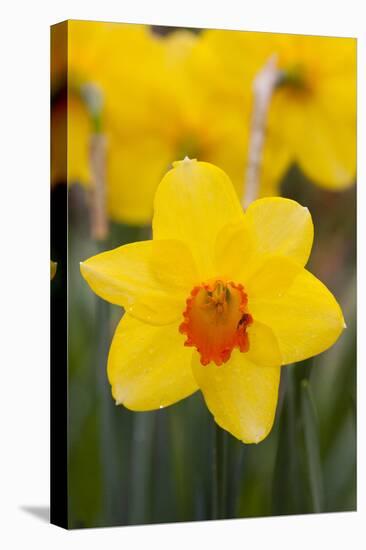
<point x="216" y="320"/>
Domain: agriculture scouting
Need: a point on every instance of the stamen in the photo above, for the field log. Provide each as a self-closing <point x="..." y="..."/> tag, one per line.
<point x="216" y="319"/>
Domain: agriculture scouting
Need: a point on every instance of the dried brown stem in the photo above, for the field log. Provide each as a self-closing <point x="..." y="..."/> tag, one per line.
<point x="98" y="210"/>
<point x="263" y="87"/>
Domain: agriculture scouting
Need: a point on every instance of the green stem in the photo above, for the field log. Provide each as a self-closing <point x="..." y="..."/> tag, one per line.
<point x="219" y="476"/>
<point x="236" y="474"/>
<point x="141" y="468"/>
<point x="312" y="445"/>
<point x="109" y="427"/>
<point x="287" y="475"/>
<point x="107" y="440"/>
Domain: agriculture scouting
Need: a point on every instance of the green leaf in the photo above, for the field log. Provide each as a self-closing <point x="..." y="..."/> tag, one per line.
<point x="312" y="447"/>
<point x="287" y="485"/>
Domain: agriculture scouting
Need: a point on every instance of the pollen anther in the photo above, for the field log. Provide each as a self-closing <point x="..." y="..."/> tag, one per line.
<point x="216" y="320"/>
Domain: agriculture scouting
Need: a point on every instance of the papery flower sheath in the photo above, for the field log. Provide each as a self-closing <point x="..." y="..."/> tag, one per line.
<point x="217" y="301"/>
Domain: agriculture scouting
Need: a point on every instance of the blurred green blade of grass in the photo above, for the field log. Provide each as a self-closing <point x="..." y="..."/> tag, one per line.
<point x="311" y="436"/>
<point x="237" y="454"/>
<point x="99" y="432"/>
<point x="140" y="504"/>
<point x="340" y="468"/>
<point x="334" y="378"/>
<point x="84" y="477"/>
<point x="287" y="476"/>
<point x="190" y="445"/>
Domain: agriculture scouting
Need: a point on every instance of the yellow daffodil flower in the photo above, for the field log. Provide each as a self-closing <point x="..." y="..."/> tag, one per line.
<point x="169" y="118"/>
<point x="218" y="300"/>
<point x="123" y="63"/>
<point x="316" y="106"/>
<point x="155" y="121"/>
<point x="312" y="117"/>
<point x="159" y="113"/>
<point x="156" y="113"/>
<point x="191" y="94"/>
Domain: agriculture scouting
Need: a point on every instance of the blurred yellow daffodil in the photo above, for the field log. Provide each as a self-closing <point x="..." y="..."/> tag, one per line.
<point x="315" y="106"/>
<point x="217" y="301"/>
<point x="163" y="118"/>
<point x="168" y="117"/>
<point x="122" y="63"/>
<point x="156" y="114"/>
<point x="312" y="117"/>
<point x="164" y="97"/>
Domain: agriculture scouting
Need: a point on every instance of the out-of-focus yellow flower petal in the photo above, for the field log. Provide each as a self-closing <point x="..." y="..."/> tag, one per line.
<point x="53" y="269"/>
<point x="282" y="227"/>
<point x="238" y="56"/>
<point x="317" y="112"/>
<point x="242" y="396"/>
<point x="276" y="159"/>
<point x="130" y="77"/>
<point x="306" y="319"/>
<point x="319" y="75"/>
<point x="78" y="140"/>
<point x="329" y="158"/>
<point x="193" y="202"/>
<point x="89" y="43"/>
<point x="134" y="168"/>
<point x="148" y="366"/>
<point x="150" y="279"/>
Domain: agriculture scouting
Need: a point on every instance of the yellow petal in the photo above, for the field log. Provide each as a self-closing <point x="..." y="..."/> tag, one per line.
<point x="261" y="274"/>
<point x="263" y="346"/>
<point x="148" y="366"/>
<point x="329" y="157"/>
<point x="134" y="169"/>
<point x="192" y="203"/>
<point x="242" y="396"/>
<point x="306" y="320"/>
<point x="233" y="251"/>
<point x="319" y="124"/>
<point x="282" y="227"/>
<point x="269" y="277"/>
<point x="150" y="279"/>
<point x="276" y="161"/>
<point x="79" y="131"/>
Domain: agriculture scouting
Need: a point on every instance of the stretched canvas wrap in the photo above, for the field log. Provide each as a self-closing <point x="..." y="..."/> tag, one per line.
<point x="203" y="268"/>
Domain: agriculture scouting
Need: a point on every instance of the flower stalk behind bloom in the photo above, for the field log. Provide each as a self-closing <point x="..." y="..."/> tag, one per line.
<point x="263" y="88"/>
<point x="97" y="192"/>
<point x="217" y="301"/>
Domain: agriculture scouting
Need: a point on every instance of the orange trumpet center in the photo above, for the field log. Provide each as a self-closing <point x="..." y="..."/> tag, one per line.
<point x="216" y="319"/>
